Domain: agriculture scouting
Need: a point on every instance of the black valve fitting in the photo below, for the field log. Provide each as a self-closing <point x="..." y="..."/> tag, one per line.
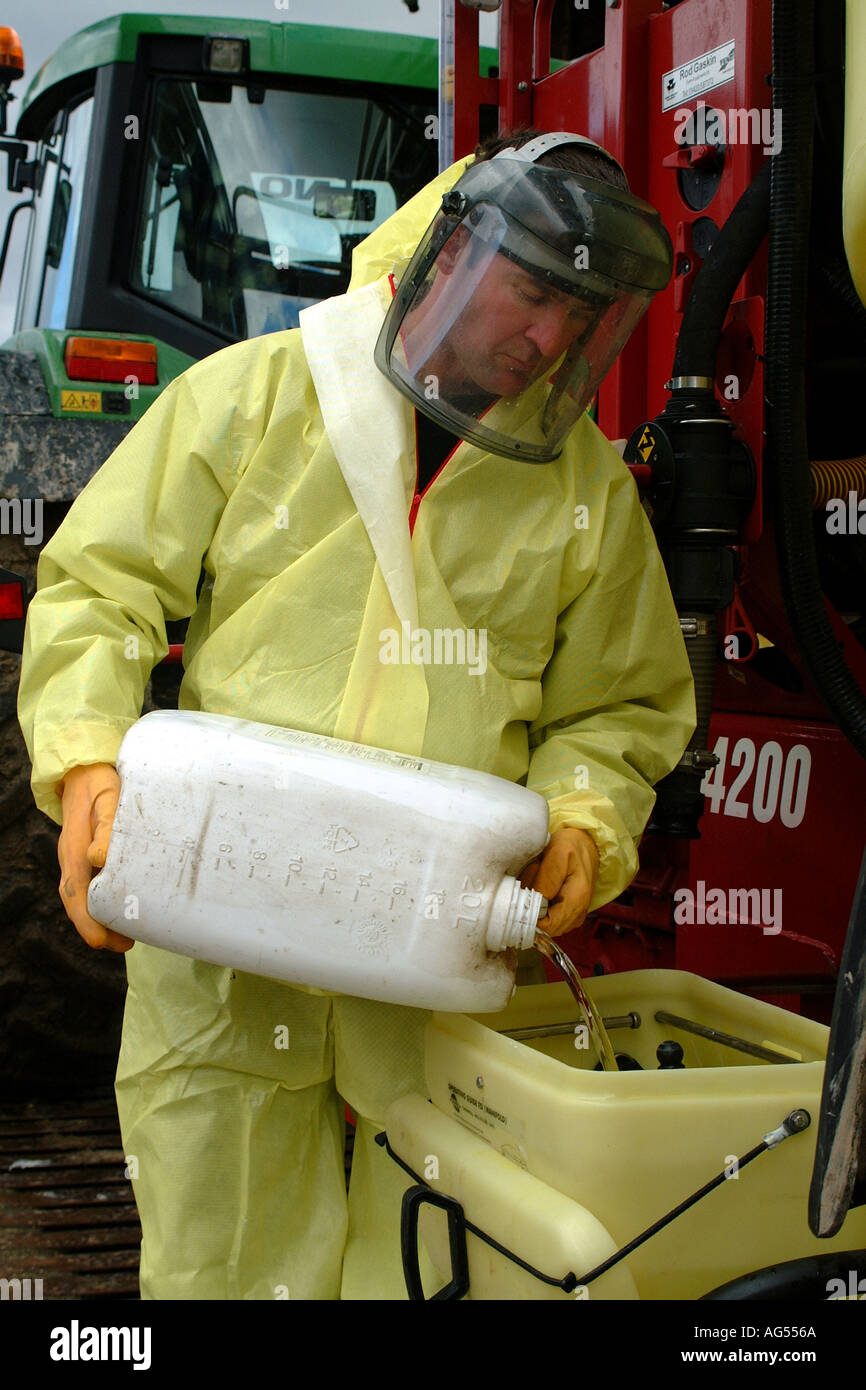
<point x="701" y="491"/>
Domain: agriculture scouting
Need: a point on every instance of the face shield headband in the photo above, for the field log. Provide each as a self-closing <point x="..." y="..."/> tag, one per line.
<point x="519" y="298"/>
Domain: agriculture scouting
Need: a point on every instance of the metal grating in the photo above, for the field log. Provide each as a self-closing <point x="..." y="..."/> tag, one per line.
<point x="67" y="1213"/>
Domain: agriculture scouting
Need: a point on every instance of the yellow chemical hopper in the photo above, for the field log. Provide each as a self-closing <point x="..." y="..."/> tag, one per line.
<point x="547" y="1166"/>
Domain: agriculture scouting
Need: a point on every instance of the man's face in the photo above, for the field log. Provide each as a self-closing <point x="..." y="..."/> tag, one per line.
<point x="511" y="332"/>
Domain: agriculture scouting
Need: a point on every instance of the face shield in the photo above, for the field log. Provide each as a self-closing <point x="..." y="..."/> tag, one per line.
<point x="523" y="291"/>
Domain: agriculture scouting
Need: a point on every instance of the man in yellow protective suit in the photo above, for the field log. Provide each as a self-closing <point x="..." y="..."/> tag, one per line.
<point x="416" y="453"/>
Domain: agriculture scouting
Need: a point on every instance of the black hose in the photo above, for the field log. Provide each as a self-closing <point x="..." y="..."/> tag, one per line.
<point x="837" y="278"/>
<point x="702" y="575"/>
<point x="790" y="207"/>
<point x="807" y="1278"/>
<point x="714" y="287"/>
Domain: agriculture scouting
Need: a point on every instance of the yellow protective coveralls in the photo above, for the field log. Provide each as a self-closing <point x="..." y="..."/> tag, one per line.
<point x="285" y="467"/>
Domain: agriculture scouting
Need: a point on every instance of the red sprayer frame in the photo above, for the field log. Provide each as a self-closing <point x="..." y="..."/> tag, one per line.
<point x="787" y="805"/>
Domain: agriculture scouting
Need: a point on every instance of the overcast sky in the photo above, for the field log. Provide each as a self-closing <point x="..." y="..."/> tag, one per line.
<point x="43" y="25"/>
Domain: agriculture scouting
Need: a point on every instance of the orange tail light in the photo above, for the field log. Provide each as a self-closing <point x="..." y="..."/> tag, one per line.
<point x="110" y="359"/>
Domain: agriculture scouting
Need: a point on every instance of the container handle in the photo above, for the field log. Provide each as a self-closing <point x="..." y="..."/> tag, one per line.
<point x="413" y="1198"/>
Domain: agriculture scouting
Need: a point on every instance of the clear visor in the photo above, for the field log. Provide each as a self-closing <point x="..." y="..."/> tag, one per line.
<point x="501" y="339"/>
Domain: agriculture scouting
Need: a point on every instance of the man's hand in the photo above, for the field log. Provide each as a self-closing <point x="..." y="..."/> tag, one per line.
<point x="88" y="797"/>
<point x="565" y="873"/>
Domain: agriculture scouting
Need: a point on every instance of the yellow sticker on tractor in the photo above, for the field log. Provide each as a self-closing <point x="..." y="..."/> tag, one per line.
<point x="87" y="402"/>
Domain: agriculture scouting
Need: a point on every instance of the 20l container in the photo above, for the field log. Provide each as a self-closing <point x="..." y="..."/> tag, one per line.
<point x="320" y="862"/>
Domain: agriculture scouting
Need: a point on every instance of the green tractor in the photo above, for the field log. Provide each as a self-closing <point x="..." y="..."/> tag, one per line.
<point x="188" y="182"/>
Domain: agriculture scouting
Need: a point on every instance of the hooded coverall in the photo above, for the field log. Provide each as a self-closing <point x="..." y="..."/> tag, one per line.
<point x="285" y="467"/>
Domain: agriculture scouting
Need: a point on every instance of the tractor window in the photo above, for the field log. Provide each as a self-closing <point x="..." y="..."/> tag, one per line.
<point x="62" y="229"/>
<point x="253" y="199"/>
<point x="47" y="271"/>
<point x="33" y="271"/>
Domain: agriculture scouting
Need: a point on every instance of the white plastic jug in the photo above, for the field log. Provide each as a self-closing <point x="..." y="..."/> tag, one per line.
<point x="321" y="862"/>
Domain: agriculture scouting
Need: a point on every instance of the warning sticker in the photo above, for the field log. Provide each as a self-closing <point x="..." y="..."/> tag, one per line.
<point x="84" y="401"/>
<point x="701" y="75"/>
<point x="646" y="443"/>
<point x="499" y="1130"/>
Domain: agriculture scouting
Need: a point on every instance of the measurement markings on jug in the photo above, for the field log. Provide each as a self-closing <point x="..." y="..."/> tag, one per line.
<point x="224" y="849"/>
<point x="398" y="890"/>
<point x="329" y="872"/>
<point x="360" y="882"/>
<point x="189" y="857"/>
<point x="365" y="880"/>
<point x="259" y="855"/>
<point x="295" y="867"/>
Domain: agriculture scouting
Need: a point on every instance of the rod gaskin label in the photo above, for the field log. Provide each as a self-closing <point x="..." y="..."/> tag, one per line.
<point x="699" y="75"/>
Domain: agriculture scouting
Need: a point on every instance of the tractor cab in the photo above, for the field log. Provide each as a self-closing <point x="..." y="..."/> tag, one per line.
<point x="199" y="186"/>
